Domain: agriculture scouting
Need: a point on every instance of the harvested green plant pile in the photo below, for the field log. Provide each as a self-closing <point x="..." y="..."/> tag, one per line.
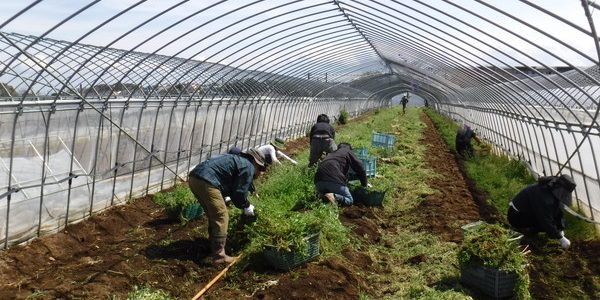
<point x="494" y="246"/>
<point x="178" y="202"/>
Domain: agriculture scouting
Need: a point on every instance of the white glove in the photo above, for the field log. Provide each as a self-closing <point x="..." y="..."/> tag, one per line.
<point x="369" y="185"/>
<point x="562" y="233"/>
<point x="249" y="211"/>
<point x="227" y="199"/>
<point x="565" y="243"/>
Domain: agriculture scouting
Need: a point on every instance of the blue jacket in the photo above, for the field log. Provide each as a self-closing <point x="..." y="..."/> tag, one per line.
<point x="232" y="174"/>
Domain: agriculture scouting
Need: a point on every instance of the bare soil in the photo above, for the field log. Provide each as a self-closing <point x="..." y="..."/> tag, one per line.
<point x="135" y="244"/>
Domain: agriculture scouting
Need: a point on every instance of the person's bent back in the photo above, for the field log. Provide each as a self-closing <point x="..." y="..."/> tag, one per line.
<point x="537" y="208"/>
<point x="322" y="136"/>
<point x="464" y="135"/>
<point x="330" y="178"/>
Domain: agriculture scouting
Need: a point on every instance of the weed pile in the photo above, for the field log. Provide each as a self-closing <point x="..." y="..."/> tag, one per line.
<point x="176" y="201"/>
<point x="494" y="246"/>
<point x="288" y="211"/>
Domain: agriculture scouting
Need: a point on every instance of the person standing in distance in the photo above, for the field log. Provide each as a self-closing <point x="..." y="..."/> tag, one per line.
<point x="404" y="102"/>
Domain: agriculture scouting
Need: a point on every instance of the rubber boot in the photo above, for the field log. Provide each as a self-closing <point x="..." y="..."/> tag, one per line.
<point x="217" y="246"/>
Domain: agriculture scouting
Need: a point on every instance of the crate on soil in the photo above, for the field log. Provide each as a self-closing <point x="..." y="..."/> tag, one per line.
<point x="383" y="140"/>
<point x="490" y="281"/>
<point x="287" y="260"/>
<point x="368" y="197"/>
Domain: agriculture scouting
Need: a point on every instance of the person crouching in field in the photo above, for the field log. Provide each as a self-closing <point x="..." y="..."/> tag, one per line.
<point x="273" y="151"/>
<point x="330" y="178"/>
<point x="226" y="175"/>
<point x="464" y="135"/>
<point x="537" y="208"/>
<point x="322" y="139"/>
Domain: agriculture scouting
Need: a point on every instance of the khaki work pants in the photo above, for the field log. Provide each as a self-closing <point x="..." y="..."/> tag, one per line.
<point x="213" y="204"/>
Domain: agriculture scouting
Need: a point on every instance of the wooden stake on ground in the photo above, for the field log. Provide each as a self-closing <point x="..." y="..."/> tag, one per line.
<point x="214" y="280"/>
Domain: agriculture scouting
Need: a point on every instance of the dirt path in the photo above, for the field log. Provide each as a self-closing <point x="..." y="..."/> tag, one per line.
<point x="446" y="211"/>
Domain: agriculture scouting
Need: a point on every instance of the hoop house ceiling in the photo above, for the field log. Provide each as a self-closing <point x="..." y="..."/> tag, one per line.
<point x="106" y="100"/>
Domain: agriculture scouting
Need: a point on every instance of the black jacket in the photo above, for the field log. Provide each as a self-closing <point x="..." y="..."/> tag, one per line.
<point x="537" y="202"/>
<point x="335" y="166"/>
<point x="322" y="129"/>
<point x="464" y="137"/>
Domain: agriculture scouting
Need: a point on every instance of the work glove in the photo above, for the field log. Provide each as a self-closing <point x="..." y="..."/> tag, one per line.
<point x="227" y="199"/>
<point x="249" y="211"/>
<point x="369" y="185"/>
<point x="565" y="243"/>
<point x="562" y="233"/>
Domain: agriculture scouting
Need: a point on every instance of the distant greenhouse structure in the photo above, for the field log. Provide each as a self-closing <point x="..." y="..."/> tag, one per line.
<point x="104" y="104"/>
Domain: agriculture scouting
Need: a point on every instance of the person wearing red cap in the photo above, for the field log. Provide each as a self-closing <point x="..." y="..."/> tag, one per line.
<point x="227" y="175"/>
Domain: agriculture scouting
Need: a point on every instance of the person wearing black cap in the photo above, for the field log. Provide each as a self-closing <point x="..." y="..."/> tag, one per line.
<point x="227" y="175"/>
<point x="322" y="139"/>
<point x="537" y="208"/>
<point x="464" y="135"/>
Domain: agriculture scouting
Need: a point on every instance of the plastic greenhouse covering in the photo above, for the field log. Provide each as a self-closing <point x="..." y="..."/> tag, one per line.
<point x="104" y="101"/>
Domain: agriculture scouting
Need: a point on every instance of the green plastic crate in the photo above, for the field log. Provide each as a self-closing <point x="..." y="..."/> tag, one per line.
<point x="287" y="260"/>
<point x="187" y="213"/>
<point x="490" y="281"/>
<point x="368" y="197"/>
<point x="192" y="212"/>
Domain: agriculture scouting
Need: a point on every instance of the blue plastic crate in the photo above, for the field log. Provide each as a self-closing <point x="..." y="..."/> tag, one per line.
<point x="370" y="165"/>
<point x="362" y="152"/>
<point x="383" y="140"/>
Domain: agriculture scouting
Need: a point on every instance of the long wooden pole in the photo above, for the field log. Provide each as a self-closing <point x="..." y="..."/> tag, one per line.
<point x="214" y="280"/>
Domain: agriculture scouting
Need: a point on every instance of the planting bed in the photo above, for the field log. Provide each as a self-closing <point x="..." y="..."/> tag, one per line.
<point x="135" y="244"/>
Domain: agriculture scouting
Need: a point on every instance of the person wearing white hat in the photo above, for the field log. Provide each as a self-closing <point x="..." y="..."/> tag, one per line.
<point x="273" y="150"/>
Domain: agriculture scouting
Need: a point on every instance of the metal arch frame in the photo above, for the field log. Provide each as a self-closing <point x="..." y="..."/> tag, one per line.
<point x="552" y="105"/>
<point x="458" y="47"/>
<point x="563" y="141"/>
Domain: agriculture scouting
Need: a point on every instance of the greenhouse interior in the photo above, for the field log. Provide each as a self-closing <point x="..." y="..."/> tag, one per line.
<point x="108" y="107"/>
